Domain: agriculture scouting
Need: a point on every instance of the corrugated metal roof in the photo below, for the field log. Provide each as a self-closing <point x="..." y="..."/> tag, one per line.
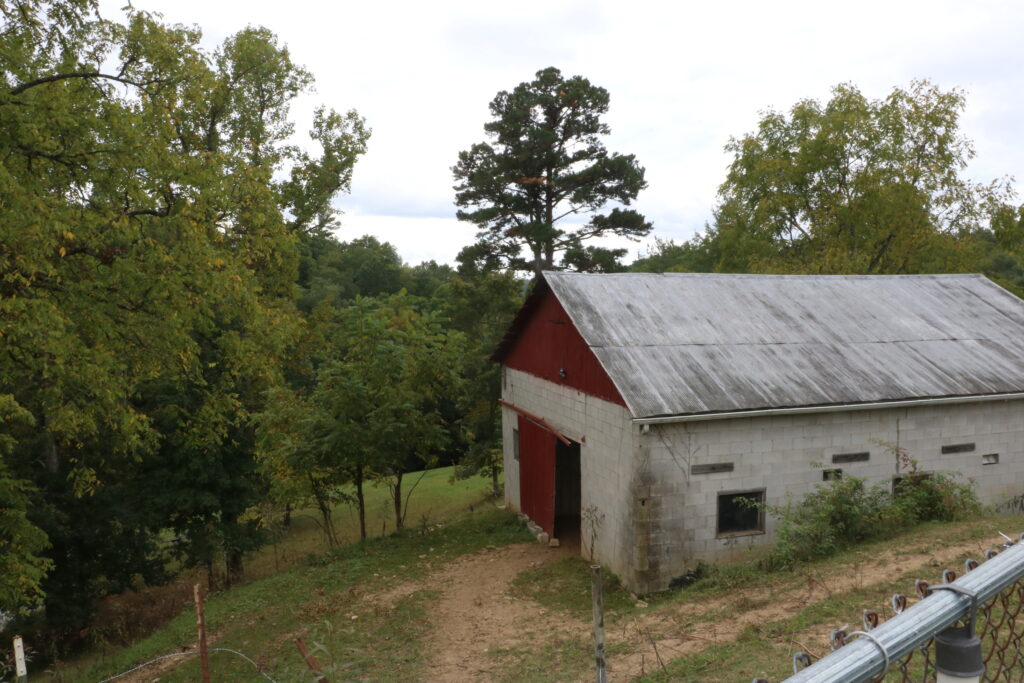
<point x="688" y="343"/>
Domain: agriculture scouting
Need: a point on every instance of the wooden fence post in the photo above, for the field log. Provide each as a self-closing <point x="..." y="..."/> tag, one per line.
<point x="311" y="661"/>
<point x="204" y="658"/>
<point x="597" y="594"/>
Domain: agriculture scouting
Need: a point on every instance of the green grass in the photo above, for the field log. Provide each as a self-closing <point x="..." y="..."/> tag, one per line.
<point x="435" y="497"/>
<point x="320" y="592"/>
<point x="740" y="660"/>
<point x="558" y="659"/>
<point x="323" y="601"/>
<point x="566" y="586"/>
<point x="767" y="649"/>
<point x="319" y="602"/>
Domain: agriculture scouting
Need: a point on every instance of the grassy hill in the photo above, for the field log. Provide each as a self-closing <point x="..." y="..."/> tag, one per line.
<point x="473" y="595"/>
<point x="299" y="559"/>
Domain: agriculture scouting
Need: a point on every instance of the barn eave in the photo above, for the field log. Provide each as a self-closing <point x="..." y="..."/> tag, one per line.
<point x="828" y="408"/>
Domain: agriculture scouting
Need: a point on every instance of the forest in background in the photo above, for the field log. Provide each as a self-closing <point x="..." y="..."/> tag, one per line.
<point x="190" y="351"/>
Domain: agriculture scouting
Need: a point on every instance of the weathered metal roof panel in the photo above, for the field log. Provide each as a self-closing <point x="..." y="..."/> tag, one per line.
<point x="685" y="343"/>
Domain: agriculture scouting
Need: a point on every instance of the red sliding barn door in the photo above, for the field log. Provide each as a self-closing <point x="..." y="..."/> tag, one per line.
<point x="537" y="474"/>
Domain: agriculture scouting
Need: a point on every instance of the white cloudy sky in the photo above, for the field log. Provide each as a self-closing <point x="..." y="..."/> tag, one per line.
<point x="683" y="77"/>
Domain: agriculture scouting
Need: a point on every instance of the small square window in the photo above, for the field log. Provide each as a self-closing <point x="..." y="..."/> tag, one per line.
<point x="515" y="444"/>
<point x="741" y="512"/>
<point x="990" y="459"/>
<point x="829" y="475"/>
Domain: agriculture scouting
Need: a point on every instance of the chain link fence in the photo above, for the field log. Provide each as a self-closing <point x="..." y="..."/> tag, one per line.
<point x="985" y="602"/>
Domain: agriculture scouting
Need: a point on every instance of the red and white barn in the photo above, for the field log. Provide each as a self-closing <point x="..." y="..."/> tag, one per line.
<point x="641" y="411"/>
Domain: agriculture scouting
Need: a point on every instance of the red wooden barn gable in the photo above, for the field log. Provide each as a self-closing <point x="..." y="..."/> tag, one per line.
<point x="544" y="342"/>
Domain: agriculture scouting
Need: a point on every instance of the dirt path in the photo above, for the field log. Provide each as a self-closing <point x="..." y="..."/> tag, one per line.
<point x="475" y="614"/>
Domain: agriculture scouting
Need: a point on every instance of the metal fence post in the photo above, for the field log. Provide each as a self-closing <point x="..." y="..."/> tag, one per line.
<point x="597" y="594"/>
<point x="869" y="656"/>
<point x="20" y="669"/>
<point x="958" y="654"/>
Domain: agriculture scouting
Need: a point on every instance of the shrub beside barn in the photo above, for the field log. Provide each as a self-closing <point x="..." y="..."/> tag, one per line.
<point x="643" y="412"/>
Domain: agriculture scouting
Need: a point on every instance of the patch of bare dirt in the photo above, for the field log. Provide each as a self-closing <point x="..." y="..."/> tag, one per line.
<point x="679" y="629"/>
<point x="475" y="613"/>
<point x="151" y="672"/>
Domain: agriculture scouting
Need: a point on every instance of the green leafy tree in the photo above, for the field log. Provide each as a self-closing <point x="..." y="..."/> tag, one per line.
<point x="426" y="279"/>
<point x="151" y="208"/>
<point x="1005" y="247"/>
<point x="374" y="411"/>
<point x="301" y="465"/>
<point x="341" y="271"/>
<point x="853" y="186"/>
<point x="481" y="305"/>
<point x="23" y="564"/>
<point x="545" y="164"/>
<point x="382" y="397"/>
<point x="698" y="255"/>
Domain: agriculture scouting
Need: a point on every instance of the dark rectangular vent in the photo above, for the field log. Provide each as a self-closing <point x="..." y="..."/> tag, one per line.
<point x="829" y="475"/>
<point x="851" y="457"/>
<point x="958" y="448"/>
<point x="712" y="468"/>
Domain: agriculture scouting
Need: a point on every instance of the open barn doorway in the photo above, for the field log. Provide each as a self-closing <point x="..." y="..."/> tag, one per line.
<point x="568" y="499"/>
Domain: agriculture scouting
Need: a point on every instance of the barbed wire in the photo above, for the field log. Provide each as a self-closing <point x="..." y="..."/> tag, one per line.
<point x="190" y="654"/>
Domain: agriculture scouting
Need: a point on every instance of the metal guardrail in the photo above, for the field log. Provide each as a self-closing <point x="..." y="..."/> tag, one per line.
<point x="871" y="654"/>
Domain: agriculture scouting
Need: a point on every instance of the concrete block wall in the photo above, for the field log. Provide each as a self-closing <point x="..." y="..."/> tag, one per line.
<point x="658" y="520"/>
<point x="608" y="442"/>
<point x="779" y="455"/>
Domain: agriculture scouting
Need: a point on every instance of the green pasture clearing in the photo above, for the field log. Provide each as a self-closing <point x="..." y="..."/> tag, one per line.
<point x="436" y="496"/>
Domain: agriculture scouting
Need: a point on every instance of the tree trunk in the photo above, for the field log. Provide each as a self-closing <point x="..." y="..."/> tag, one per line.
<point x="397" y="491"/>
<point x="323" y="504"/>
<point x="236" y="570"/>
<point x="232" y="553"/>
<point x="549" y="220"/>
<point x="325" y="514"/>
<point x="360" y="503"/>
<point x="50" y="458"/>
<point x="494" y="477"/>
<point x="286" y="521"/>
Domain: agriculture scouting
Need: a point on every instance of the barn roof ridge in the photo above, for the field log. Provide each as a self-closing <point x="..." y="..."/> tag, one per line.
<point x="707" y="343"/>
<point x="773" y="276"/>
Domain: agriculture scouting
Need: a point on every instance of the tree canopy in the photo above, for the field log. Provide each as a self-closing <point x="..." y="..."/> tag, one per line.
<point x="853" y="186"/>
<point x="546" y="164"/>
<point x="152" y="206"/>
<point x="856" y="186"/>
